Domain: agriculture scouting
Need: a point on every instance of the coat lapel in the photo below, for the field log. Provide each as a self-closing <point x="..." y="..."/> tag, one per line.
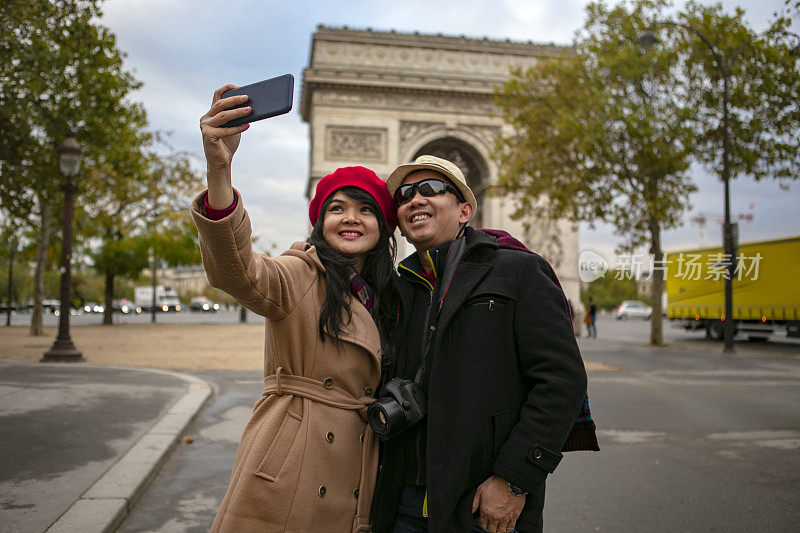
<point x="362" y="330"/>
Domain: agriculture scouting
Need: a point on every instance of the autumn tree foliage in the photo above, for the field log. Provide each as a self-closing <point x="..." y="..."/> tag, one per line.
<point x="609" y="131"/>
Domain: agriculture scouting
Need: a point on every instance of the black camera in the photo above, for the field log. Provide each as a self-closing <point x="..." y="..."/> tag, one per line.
<point x="401" y="405"/>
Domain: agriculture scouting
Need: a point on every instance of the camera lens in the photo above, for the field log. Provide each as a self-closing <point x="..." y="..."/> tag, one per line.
<point x="376" y="415"/>
<point x="385" y="416"/>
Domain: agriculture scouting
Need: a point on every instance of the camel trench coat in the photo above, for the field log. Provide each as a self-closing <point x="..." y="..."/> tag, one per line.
<point x="307" y="460"/>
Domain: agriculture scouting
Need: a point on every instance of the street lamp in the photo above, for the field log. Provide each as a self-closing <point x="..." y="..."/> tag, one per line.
<point x="69" y="162"/>
<point x="730" y="241"/>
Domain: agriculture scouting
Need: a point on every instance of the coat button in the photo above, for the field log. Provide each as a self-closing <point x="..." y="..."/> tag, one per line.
<point x="368" y="391"/>
<point x="537" y="453"/>
<point x="355" y="493"/>
<point x="361" y="438"/>
<point x="329" y="436"/>
<point x="328" y="383"/>
<point x="322" y="491"/>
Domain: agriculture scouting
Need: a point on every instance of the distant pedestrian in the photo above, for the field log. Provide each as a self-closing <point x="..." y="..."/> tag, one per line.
<point x="592" y="318"/>
<point x="587" y="319"/>
<point x="307" y="460"/>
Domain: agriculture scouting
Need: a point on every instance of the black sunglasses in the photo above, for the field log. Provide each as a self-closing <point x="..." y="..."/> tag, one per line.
<point x="427" y="188"/>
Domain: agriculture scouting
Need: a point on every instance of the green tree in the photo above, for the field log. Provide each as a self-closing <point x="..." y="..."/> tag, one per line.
<point x="59" y="70"/>
<point x="145" y="190"/>
<point x="763" y="82"/>
<point x="175" y="241"/>
<point x="609" y="290"/>
<point x="11" y="234"/>
<point x="608" y="133"/>
<point x="119" y="256"/>
<point x="601" y="134"/>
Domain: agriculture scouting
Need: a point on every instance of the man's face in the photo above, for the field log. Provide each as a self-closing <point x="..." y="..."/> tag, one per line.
<point x="428" y="222"/>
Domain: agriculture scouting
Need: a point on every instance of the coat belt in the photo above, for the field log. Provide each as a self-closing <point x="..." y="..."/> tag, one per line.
<point x="315" y="390"/>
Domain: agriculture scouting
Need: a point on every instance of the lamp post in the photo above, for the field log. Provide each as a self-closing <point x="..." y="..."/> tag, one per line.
<point x="730" y="237"/>
<point x="69" y="162"/>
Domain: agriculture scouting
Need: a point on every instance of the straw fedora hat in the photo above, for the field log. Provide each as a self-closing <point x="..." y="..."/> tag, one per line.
<point x="437" y="164"/>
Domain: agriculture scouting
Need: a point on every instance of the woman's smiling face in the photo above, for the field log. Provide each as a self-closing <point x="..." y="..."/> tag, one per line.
<point x="351" y="227"/>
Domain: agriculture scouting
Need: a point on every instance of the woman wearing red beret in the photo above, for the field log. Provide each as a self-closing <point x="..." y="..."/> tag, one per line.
<point x="307" y="460"/>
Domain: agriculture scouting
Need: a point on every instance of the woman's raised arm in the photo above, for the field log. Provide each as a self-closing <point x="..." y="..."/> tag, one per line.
<point x="219" y="144"/>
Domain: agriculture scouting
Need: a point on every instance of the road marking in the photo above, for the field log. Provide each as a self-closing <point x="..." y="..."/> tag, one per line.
<point x="631" y="437"/>
<point x="773" y="439"/>
<point x="594" y="366"/>
<point x="779" y="439"/>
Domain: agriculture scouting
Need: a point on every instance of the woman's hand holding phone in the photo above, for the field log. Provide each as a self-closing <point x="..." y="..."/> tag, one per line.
<point x="219" y="144"/>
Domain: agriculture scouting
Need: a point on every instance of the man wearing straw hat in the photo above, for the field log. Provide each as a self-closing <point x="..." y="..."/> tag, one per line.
<point x="485" y="333"/>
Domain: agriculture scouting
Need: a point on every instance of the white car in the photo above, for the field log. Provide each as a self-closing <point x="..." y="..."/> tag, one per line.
<point x="634" y="309"/>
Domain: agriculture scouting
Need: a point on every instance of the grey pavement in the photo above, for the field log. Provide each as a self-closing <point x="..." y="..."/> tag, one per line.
<point x="80" y="443"/>
<point x="691" y="440"/>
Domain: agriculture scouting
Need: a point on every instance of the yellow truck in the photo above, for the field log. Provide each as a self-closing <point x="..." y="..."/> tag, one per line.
<point x="766" y="289"/>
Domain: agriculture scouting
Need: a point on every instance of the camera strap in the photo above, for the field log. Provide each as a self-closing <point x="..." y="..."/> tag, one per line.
<point x="454" y="254"/>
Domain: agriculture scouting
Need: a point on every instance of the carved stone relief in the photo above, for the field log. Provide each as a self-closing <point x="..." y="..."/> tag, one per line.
<point x="449" y="103"/>
<point x="410" y="130"/>
<point x="489" y="133"/>
<point x="344" y="142"/>
<point x="383" y="56"/>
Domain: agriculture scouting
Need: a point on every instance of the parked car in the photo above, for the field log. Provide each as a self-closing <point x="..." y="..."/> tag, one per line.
<point x="201" y="303"/>
<point x="125" y="307"/>
<point x="51" y="305"/>
<point x="634" y="309"/>
<point x="93" y="307"/>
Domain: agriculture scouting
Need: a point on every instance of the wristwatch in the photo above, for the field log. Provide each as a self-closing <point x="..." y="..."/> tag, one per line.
<point x="516" y="491"/>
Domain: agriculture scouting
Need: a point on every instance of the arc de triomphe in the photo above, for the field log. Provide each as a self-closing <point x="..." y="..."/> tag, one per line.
<point x="379" y="99"/>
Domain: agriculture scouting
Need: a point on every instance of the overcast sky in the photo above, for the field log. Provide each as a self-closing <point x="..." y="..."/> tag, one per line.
<point x="184" y="49"/>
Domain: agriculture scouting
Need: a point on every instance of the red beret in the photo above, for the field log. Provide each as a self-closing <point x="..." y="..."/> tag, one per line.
<point x="360" y="177"/>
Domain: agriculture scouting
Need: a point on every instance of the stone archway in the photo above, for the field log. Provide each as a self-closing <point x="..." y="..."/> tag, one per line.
<point x="380" y="99"/>
<point x="469" y="161"/>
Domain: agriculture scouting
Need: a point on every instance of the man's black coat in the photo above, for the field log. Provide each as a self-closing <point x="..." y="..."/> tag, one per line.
<point x="506" y="384"/>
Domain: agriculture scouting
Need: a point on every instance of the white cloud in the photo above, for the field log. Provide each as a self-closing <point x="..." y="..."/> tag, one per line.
<point x="184" y="49"/>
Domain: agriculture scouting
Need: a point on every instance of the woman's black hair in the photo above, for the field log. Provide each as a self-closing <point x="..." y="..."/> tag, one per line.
<point x="377" y="271"/>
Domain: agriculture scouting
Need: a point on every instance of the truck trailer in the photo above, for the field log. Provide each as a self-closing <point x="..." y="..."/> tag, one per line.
<point x="766" y="289"/>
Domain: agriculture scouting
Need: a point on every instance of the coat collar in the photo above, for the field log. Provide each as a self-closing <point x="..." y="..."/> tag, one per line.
<point x="307" y="252"/>
<point x="361" y="330"/>
<point x="411" y="266"/>
<point x="469" y="272"/>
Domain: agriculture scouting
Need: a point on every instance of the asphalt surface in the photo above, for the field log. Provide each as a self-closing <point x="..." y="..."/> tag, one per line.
<point x="189" y="489"/>
<point x="184" y="317"/>
<point x="66" y="428"/>
<point x="692" y="440"/>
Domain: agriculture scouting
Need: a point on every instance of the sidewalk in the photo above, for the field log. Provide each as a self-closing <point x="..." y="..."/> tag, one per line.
<point x="80" y="443"/>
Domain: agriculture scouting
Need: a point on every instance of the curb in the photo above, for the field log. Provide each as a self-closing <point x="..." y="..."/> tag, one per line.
<point x="104" y="506"/>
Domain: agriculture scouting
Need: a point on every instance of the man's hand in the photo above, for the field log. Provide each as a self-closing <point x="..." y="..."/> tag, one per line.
<point x="499" y="508"/>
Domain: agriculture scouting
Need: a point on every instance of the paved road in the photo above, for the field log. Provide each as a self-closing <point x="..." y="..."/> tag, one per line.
<point x="691" y="441"/>
<point x="190" y="487"/>
<point x="633" y="330"/>
<point x="185" y="317"/>
<point x="64" y="426"/>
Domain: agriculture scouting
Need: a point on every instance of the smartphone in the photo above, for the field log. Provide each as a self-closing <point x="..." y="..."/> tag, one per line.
<point x="268" y="98"/>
